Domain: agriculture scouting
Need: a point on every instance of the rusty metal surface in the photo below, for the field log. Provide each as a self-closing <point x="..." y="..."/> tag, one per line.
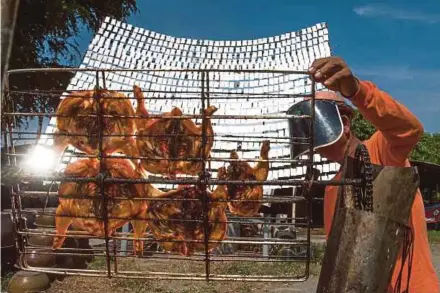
<point x="295" y="268"/>
<point x="363" y="246"/>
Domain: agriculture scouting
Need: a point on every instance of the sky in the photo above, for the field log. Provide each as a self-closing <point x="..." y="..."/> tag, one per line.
<point x="395" y="44"/>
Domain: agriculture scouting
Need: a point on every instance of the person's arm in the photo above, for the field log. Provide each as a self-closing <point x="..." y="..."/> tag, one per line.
<point x="398" y="129"/>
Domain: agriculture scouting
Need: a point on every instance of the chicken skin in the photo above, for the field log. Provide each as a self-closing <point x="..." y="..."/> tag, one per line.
<point x="85" y="207"/>
<point x="181" y="220"/>
<point x="168" y="142"/>
<point x="77" y="123"/>
<point x="247" y="198"/>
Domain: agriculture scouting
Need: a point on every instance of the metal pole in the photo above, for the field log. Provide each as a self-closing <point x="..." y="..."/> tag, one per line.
<point x="203" y="183"/>
<point x="101" y="175"/>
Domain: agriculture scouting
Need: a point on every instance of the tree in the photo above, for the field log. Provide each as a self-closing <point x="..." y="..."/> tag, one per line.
<point x="361" y="127"/>
<point x="45" y="37"/>
<point x="426" y="150"/>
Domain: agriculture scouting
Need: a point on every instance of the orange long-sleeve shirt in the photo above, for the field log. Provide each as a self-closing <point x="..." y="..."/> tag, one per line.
<point x="398" y="130"/>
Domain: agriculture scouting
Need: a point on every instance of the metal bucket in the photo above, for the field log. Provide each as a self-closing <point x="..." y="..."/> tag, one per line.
<point x="24" y="281"/>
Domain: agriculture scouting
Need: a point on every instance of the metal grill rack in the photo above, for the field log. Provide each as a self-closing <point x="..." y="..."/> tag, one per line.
<point x="261" y="254"/>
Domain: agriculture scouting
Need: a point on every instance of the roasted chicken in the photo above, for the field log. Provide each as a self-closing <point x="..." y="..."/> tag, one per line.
<point x="169" y="142"/>
<point x="78" y="125"/>
<point x="85" y="209"/>
<point x="177" y="219"/>
<point x="246" y="199"/>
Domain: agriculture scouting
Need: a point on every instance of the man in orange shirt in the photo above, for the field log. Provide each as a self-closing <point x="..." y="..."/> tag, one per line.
<point x="398" y="131"/>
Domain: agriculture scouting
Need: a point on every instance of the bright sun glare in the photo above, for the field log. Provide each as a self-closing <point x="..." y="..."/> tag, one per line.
<point x="40" y="159"/>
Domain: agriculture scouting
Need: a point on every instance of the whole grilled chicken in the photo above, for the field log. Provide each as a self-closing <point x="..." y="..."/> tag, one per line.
<point x="77" y="116"/>
<point x="245" y="197"/>
<point x="85" y="209"/>
<point x="170" y="141"/>
<point x="177" y="219"/>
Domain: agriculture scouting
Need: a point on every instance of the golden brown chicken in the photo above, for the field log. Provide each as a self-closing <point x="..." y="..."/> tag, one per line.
<point x="246" y="199"/>
<point x="84" y="210"/>
<point x="171" y="141"/>
<point x="177" y="219"/>
<point x="77" y="116"/>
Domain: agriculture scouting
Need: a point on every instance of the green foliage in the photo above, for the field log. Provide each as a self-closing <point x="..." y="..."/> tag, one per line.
<point x="426" y="150"/>
<point x="361" y="127"/>
<point x="45" y="36"/>
<point x="434" y="236"/>
<point x="46" y="30"/>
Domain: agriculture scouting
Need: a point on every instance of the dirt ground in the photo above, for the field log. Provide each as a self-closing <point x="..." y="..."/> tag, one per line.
<point x="119" y="285"/>
<point x="86" y="284"/>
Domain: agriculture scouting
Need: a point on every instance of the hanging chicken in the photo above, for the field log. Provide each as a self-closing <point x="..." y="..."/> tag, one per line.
<point x="177" y="219"/>
<point x="78" y="125"/>
<point x="246" y="199"/>
<point x="84" y="210"/>
<point x="169" y="142"/>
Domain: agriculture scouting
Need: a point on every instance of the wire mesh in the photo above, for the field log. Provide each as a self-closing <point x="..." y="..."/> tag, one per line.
<point x="181" y="223"/>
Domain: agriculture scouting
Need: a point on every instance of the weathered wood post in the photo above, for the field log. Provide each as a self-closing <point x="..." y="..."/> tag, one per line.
<point x="363" y="246"/>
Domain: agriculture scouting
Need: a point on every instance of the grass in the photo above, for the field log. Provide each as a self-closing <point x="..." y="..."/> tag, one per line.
<point x="119" y="285"/>
<point x="434" y="236"/>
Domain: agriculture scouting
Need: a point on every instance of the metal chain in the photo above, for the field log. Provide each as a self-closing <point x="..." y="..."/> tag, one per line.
<point x="363" y="170"/>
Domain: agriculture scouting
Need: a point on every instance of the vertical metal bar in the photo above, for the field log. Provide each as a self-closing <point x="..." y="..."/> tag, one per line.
<point x="10" y="121"/>
<point x="15" y="199"/>
<point x="6" y="145"/>
<point x="207" y="89"/>
<point x="207" y="104"/>
<point x="115" y="249"/>
<point x="15" y="220"/>
<point x="103" y="80"/>
<point x="310" y="165"/>
<point x="203" y="183"/>
<point x="6" y="99"/>
<point x="101" y="175"/>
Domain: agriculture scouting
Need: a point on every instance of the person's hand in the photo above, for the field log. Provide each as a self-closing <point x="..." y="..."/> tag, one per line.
<point x="334" y="73"/>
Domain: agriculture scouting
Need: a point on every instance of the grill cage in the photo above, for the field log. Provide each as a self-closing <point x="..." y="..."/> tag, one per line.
<point x="215" y="265"/>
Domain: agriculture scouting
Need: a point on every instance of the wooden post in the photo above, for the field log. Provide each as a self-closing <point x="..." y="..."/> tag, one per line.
<point x="363" y="247"/>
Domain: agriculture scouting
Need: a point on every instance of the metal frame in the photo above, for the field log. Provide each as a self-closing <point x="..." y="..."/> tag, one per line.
<point x="203" y="181"/>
